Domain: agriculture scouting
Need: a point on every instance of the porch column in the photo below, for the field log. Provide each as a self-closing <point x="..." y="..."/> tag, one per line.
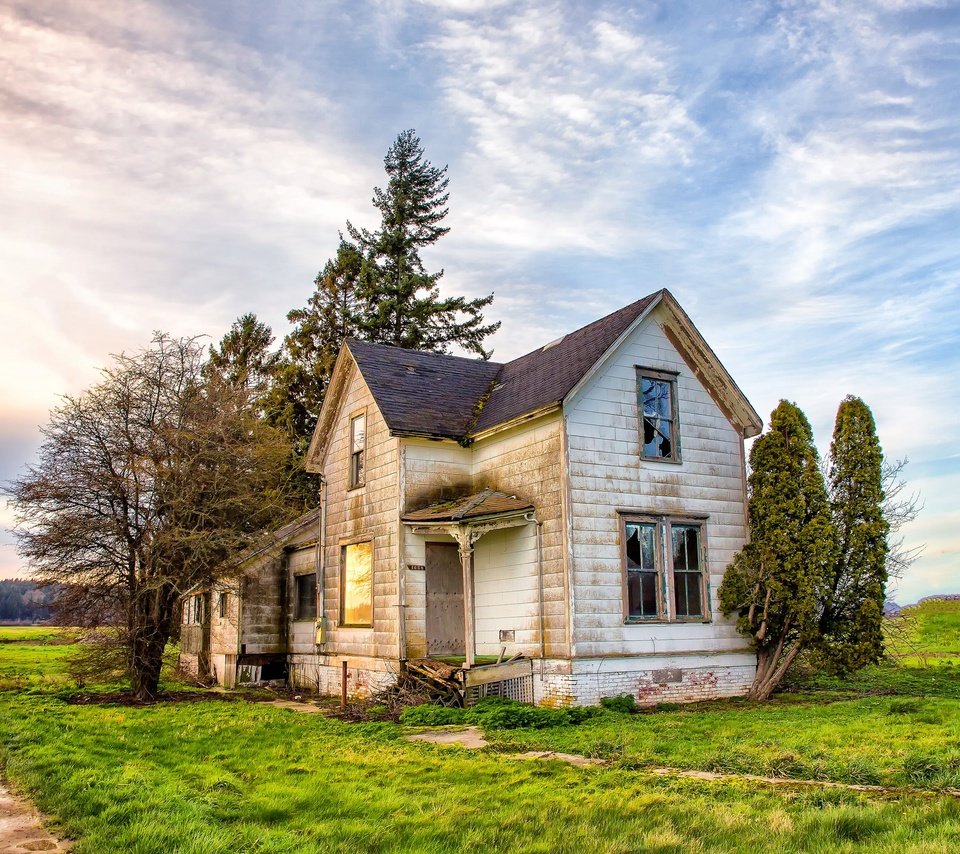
<point x="465" y="542"/>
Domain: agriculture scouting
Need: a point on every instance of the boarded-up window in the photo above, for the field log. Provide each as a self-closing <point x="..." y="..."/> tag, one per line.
<point x="356" y="586"/>
<point x="306" y="593"/>
<point x="358" y="440"/>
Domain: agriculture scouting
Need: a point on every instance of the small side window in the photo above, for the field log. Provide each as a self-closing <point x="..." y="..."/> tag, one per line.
<point x="358" y="439"/>
<point x="222" y="605"/>
<point x="306" y="590"/>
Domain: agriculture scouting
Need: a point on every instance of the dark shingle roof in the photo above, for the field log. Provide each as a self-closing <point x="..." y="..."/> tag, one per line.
<point x="423" y="393"/>
<point x="548" y="374"/>
<point x="485" y="503"/>
<point x="432" y="394"/>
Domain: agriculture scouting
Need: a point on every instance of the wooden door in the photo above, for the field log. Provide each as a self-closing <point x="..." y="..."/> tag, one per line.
<point x="444" y="582"/>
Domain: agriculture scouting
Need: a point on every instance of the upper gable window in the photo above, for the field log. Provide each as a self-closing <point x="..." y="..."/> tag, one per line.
<point x="657" y="392"/>
<point x="358" y="441"/>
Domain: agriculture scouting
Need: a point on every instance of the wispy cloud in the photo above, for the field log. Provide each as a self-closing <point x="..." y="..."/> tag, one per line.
<point x="790" y="170"/>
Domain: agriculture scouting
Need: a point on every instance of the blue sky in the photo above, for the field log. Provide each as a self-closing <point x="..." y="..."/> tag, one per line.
<point x="791" y="171"/>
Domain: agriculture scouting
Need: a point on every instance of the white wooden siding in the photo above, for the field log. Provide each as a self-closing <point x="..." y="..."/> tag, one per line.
<point x="607" y="474"/>
<point x="505" y="584"/>
<point x="524" y="461"/>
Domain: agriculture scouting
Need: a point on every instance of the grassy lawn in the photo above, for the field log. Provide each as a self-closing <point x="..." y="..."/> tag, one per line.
<point x="216" y="775"/>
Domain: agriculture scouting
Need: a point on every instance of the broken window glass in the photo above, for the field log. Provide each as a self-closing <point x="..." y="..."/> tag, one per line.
<point x="663" y="582"/>
<point x="642" y="573"/>
<point x="657" y="404"/>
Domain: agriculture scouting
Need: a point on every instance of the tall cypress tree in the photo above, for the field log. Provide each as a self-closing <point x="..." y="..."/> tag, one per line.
<point x="401" y="300"/>
<point x="778" y="581"/>
<point x="853" y="610"/>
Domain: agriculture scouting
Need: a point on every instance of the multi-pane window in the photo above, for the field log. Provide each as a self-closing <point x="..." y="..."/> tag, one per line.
<point x="358" y="438"/>
<point x="658" y="406"/>
<point x="356" y="585"/>
<point x="687" y="573"/>
<point x="665" y="570"/>
<point x="643" y="575"/>
<point x="306" y="593"/>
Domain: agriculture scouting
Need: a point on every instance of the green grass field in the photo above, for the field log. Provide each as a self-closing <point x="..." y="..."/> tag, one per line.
<point x="218" y="776"/>
<point x="926" y="633"/>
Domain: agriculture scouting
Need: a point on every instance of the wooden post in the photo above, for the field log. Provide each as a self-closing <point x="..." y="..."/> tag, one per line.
<point x="466" y="563"/>
<point x="343" y="685"/>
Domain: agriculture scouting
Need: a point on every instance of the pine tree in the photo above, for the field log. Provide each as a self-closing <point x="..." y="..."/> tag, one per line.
<point x="310" y="350"/>
<point x="778" y="581"/>
<point x="401" y="300"/>
<point x="243" y="359"/>
<point x="853" y="610"/>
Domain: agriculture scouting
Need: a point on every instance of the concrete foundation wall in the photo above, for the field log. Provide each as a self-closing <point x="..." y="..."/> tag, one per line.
<point x="322" y="674"/>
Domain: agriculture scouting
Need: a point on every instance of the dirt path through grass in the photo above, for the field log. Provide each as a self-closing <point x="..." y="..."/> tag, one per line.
<point x="21" y="828"/>
<point x="472" y="738"/>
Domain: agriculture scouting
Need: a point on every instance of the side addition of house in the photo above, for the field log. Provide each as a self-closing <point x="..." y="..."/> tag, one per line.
<point x="559" y="524"/>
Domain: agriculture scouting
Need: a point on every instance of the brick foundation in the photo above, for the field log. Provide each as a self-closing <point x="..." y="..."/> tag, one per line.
<point x="650" y="682"/>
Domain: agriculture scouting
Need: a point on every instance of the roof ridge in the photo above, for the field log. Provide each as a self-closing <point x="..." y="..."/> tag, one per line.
<point x="476" y="501"/>
<point x="429" y="353"/>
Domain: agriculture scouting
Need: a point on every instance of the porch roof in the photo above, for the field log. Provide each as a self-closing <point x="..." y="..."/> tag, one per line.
<point x="485" y="504"/>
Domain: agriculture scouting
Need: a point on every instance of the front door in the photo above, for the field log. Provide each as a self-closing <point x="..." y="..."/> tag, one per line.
<point x="444" y="581"/>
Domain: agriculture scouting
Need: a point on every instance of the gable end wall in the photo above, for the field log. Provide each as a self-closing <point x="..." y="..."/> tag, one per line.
<point x="607" y="473"/>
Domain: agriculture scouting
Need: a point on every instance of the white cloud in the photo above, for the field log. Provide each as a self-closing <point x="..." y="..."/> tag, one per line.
<point x="570" y="122"/>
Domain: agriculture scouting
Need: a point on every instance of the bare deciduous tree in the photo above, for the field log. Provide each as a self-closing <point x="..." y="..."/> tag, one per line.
<point x="145" y="484"/>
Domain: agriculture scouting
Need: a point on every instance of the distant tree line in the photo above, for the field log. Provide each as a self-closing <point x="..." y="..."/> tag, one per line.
<point x="24" y="601"/>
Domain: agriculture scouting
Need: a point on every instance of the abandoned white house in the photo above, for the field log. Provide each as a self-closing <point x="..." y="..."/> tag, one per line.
<point x="571" y="512"/>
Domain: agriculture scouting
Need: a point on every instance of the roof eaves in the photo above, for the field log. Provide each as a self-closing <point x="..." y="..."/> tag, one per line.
<point x="532" y="415"/>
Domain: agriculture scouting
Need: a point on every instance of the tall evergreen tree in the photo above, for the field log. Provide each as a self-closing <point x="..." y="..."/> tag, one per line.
<point x="401" y="302"/>
<point x="376" y="289"/>
<point x="778" y="581"/>
<point x="853" y="610"/>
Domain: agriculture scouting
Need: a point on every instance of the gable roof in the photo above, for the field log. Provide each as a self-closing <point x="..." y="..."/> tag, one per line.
<point x="423" y="394"/>
<point x="545" y="376"/>
<point x="451" y="397"/>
